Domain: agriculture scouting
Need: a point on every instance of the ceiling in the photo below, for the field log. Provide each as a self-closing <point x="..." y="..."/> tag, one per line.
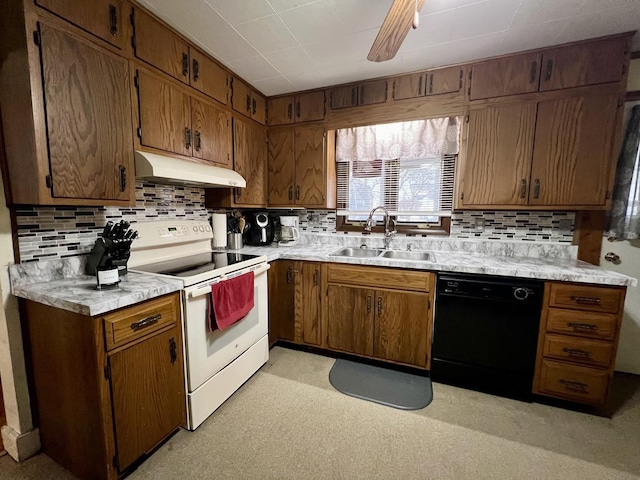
<point x="282" y="46"/>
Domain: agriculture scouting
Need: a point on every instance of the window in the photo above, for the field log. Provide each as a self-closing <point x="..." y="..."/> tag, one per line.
<point x="407" y="167"/>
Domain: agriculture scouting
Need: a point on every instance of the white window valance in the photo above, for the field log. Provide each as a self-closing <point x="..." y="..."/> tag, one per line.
<point x="410" y="140"/>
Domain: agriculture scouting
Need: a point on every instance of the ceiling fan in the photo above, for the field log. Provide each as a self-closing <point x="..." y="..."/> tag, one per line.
<point x="402" y="15"/>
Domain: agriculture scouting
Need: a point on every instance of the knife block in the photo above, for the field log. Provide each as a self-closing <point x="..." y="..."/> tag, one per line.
<point x="109" y="253"/>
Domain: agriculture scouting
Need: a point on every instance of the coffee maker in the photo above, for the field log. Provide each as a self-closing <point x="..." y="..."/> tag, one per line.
<point x="289" y="229"/>
<point x="261" y="230"/>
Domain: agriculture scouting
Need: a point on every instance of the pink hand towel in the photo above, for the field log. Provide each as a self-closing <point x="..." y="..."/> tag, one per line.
<point x="230" y="301"/>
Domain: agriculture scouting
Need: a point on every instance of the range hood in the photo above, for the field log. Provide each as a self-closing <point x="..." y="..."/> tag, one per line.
<point x="175" y="171"/>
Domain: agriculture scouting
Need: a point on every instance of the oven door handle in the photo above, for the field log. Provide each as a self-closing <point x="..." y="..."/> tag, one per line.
<point x="207" y="288"/>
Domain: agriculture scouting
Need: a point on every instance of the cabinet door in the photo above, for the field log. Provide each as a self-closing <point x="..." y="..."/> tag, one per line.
<point x="209" y="77"/>
<point x="165" y="115"/>
<point x="280" y="111"/>
<point x="409" y="86"/>
<point x="444" y="80"/>
<point x="572" y="153"/>
<point x="281" y="167"/>
<point x="583" y="64"/>
<point x="281" y="301"/>
<point x="241" y="97"/>
<point x="250" y="161"/>
<point x="258" y="108"/>
<point x="212" y="134"/>
<point x="310" y="107"/>
<point x="88" y="114"/>
<point x="157" y="45"/>
<point x="147" y="389"/>
<point x="371" y="93"/>
<point x="350" y="319"/>
<point x="103" y="18"/>
<point x="401" y="327"/>
<point x="499" y="149"/>
<point x="505" y="76"/>
<point x="310" y="188"/>
<point x="343" y="97"/>
<point x="308" y="293"/>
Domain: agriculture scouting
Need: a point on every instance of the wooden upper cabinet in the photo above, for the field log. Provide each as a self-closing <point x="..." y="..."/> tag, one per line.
<point x="281" y="167"/>
<point x="88" y="116"/>
<point x="409" y="86"/>
<point x="208" y="77"/>
<point x="572" y="153"/>
<point x="309" y="107"/>
<point x="280" y="111"/>
<point x="372" y="92"/>
<point x="350" y="312"/>
<point x="165" y="115"/>
<point x="499" y="149"/>
<point x="102" y="18"/>
<point x="584" y="64"/>
<point x="504" y="76"/>
<point x="157" y="45"/>
<point x="258" y="108"/>
<point x="444" y="80"/>
<point x="310" y="182"/>
<point x="241" y="97"/>
<point x="343" y="97"/>
<point x="212" y="134"/>
<point x="250" y="161"/>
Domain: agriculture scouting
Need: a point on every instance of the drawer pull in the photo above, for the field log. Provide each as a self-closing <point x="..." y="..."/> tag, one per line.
<point x="586" y="300"/>
<point x="145" y="322"/>
<point x="582" y="326"/>
<point x="575" y="386"/>
<point x="575" y="352"/>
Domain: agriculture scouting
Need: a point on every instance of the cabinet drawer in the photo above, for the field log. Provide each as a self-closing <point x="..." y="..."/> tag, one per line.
<point x="587" y="352"/>
<point x="379" y="277"/>
<point x="595" y="299"/>
<point x="136" y="322"/>
<point x="583" y="384"/>
<point x="583" y="324"/>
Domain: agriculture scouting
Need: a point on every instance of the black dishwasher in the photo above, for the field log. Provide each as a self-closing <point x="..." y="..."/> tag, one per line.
<point x="485" y="333"/>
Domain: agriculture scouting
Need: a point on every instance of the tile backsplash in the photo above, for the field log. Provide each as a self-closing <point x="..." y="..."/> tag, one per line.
<point x="59" y="232"/>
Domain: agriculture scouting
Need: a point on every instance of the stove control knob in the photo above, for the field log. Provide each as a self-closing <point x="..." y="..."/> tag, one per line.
<point x="521" y="293"/>
<point x="207" y="228"/>
<point x="195" y="228"/>
<point x="201" y="228"/>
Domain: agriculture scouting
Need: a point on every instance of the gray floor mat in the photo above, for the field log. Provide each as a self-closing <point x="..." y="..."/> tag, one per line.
<point x="381" y="385"/>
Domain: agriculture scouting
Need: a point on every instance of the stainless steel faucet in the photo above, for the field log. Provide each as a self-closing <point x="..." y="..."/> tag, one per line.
<point x="388" y="234"/>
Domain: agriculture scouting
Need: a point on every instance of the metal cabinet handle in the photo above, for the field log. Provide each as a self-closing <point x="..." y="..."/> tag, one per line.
<point x="419" y="92"/>
<point x="298" y="192"/>
<point x="575" y="352"/>
<point x="196" y="70"/>
<point x="583" y="326"/>
<point x="185" y="64"/>
<point x="298" y="109"/>
<point x="187" y="138"/>
<point x="289" y="111"/>
<point x="523" y="188"/>
<point x="173" y="350"/>
<point x="431" y="83"/>
<point x="113" y="20"/>
<point x="368" y="303"/>
<point x="533" y="73"/>
<point x="548" y="70"/>
<point x="574" y="385"/>
<point x="123" y="178"/>
<point x="290" y="192"/>
<point x="146" y="322"/>
<point x="316" y="278"/>
<point x="290" y="275"/>
<point x="354" y="97"/>
<point x="254" y="106"/>
<point x="379" y="305"/>
<point x="536" y="188"/>
<point x="198" y="141"/>
<point x="586" y="300"/>
<point x="248" y="103"/>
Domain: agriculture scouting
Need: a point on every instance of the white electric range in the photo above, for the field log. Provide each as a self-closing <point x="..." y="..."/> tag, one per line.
<point x="217" y="363"/>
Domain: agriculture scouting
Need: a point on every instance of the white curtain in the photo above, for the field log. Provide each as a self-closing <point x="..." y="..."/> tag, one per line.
<point x="418" y="139"/>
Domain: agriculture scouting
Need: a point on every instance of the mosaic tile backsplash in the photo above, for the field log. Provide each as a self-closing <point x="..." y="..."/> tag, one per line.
<point x="60" y="232"/>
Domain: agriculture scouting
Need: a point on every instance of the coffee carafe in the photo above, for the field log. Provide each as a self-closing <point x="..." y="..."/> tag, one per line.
<point x="289" y="229"/>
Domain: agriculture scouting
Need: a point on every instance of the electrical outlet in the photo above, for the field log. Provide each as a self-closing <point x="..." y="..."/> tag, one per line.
<point x="479" y="222"/>
<point x="315" y="219"/>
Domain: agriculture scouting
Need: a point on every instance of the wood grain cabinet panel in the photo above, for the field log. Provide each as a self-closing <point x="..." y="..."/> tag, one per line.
<point x="586" y="297"/>
<point x="571" y="382"/>
<point x="500" y="143"/>
<point x="280" y="111"/>
<point x="258" y="108"/>
<point x="578" y="350"/>
<point x="212" y="134"/>
<point x="409" y="86"/>
<point x="281" y="301"/>
<point x="241" y="97"/>
<point x="350" y="312"/>
<point x="88" y="115"/>
<point x="343" y="97"/>
<point x="401" y="327"/>
<point x="511" y="75"/>
<point x="371" y="93"/>
<point x="308" y="302"/>
<point x="165" y="115"/>
<point x="147" y="386"/>
<point x="103" y="18"/>
<point x="583" y="324"/>
<point x="250" y="161"/>
<point x="158" y="46"/>
<point x="310" y="107"/>
<point x="281" y="167"/>
<point x="444" y="80"/>
<point x="310" y="187"/>
<point x="572" y="152"/>
<point x="208" y="77"/>
<point x="584" y="64"/>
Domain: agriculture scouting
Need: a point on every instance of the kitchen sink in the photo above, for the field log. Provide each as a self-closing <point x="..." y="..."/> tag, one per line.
<point x="356" y="252"/>
<point x="398" y="255"/>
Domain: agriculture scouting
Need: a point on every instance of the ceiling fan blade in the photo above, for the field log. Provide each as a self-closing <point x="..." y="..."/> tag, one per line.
<point x="394" y="29"/>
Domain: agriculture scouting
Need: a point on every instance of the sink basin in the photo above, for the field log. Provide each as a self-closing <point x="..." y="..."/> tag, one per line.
<point x="356" y="252"/>
<point x="398" y="255"/>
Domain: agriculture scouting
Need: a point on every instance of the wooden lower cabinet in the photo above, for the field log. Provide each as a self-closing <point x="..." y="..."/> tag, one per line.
<point x="281" y="301"/>
<point x="102" y="405"/>
<point x="350" y="319"/>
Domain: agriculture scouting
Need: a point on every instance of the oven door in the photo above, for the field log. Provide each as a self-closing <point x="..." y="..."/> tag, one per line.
<point x="207" y="353"/>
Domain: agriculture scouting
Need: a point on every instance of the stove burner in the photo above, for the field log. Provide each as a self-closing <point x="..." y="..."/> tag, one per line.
<point x="195" y="264"/>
